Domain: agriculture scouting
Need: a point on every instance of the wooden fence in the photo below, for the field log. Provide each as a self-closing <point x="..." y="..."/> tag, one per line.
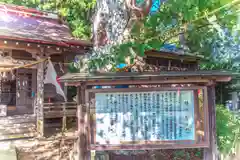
<point x="60" y="110"/>
<point x="24" y="126"/>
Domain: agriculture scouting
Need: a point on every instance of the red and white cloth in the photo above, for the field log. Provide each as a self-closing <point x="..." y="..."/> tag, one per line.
<point x="52" y="78"/>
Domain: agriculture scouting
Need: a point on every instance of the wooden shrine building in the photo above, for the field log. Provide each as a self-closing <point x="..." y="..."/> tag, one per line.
<point x="168" y="104"/>
<point x="27" y="38"/>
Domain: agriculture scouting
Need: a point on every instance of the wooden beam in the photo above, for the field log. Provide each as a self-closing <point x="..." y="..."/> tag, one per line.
<point x="83" y="153"/>
<point x="36" y="47"/>
<point x="30" y="47"/>
<point x="173" y="56"/>
<point x="106" y="90"/>
<point x="139" y="82"/>
<point x="18" y="46"/>
<point x="79" y="123"/>
<point x="39" y="98"/>
<point x="223" y="79"/>
<point x="64" y="119"/>
<point x="176" y="145"/>
<point x="211" y="153"/>
<point x="167" y="80"/>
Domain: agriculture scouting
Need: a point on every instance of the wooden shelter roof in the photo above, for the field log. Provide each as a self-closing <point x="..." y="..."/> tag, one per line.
<point x="167" y="76"/>
<point x="174" y="55"/>
<point x="171" y="51"/>
<point x="33" y="26"/>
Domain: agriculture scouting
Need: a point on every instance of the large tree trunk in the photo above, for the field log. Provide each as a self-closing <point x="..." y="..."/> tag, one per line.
<point x="110" y="22"/>
<point x="113" y="22"/>
<point x="112" y="19"/>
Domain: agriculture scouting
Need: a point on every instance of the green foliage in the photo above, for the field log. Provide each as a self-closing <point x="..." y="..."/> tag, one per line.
<point x="77" y="12"/>
<point x="179" y="153"/>
<point x="198" y="153"/>
<point x="228" y="129"/>
<point x="28" y="3"/>
<point x="223" y="90"/>
<point x="175" y="17"/>
<point x="216" y="65"/>
<point x="72" y="68"/>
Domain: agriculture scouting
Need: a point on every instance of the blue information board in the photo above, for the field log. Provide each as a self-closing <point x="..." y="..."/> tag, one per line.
<point x="125" y="117"/>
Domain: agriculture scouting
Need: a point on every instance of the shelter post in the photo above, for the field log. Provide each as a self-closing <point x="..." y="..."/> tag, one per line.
<point x="211" y="152"/>
<point x="83" y="153"/>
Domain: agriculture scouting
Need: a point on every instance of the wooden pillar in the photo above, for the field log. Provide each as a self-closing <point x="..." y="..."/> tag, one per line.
<point x="40" y="98"/>
<point x="211" y="153"/>
<point x="64" y="119"/>
<point x="65" y="69"/>
<point x="82" y="151"/>
<point x="34" y="91"/>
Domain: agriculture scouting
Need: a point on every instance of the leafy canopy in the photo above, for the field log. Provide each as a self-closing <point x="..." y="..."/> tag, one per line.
<point x="201" y="22"/>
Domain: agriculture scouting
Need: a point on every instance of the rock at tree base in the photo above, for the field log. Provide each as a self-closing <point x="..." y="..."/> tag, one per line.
<point x="8" y="153"/>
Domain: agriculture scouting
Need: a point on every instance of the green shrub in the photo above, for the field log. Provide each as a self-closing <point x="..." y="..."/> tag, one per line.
<point x="228" y="129"/>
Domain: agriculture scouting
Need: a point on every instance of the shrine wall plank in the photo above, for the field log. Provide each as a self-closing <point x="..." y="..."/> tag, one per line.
<point x="168" y="64"/>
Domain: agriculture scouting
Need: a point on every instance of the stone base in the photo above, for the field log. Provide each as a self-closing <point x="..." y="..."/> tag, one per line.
<point x="7" y="151"/>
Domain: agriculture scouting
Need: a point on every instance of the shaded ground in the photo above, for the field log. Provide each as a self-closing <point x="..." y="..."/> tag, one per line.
<point x="56" y="147"/>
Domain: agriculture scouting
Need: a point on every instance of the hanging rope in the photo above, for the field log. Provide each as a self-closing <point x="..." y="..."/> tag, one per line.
<point x="22" y="66"/>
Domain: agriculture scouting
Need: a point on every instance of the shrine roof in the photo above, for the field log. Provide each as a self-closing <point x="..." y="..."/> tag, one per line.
<point x="174" y="55"/>
<point x="30" y="25"/>
<point x="82" y="77"/>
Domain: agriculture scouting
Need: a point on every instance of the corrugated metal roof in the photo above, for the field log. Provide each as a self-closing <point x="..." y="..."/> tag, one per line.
<point x="30" y="25"/>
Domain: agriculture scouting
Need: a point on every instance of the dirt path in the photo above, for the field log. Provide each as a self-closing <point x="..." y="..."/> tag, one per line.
<point x="53" y="148"/>
<point x="56" y="147"/>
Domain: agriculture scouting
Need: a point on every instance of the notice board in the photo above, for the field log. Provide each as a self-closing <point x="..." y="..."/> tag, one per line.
<point x="142" y="118"/>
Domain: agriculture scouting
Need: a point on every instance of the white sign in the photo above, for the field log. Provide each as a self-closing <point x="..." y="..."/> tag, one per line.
<point x="126" y="117"/>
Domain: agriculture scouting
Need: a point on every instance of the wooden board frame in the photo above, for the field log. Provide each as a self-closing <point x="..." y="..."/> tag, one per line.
<point x="89" y="98"/>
